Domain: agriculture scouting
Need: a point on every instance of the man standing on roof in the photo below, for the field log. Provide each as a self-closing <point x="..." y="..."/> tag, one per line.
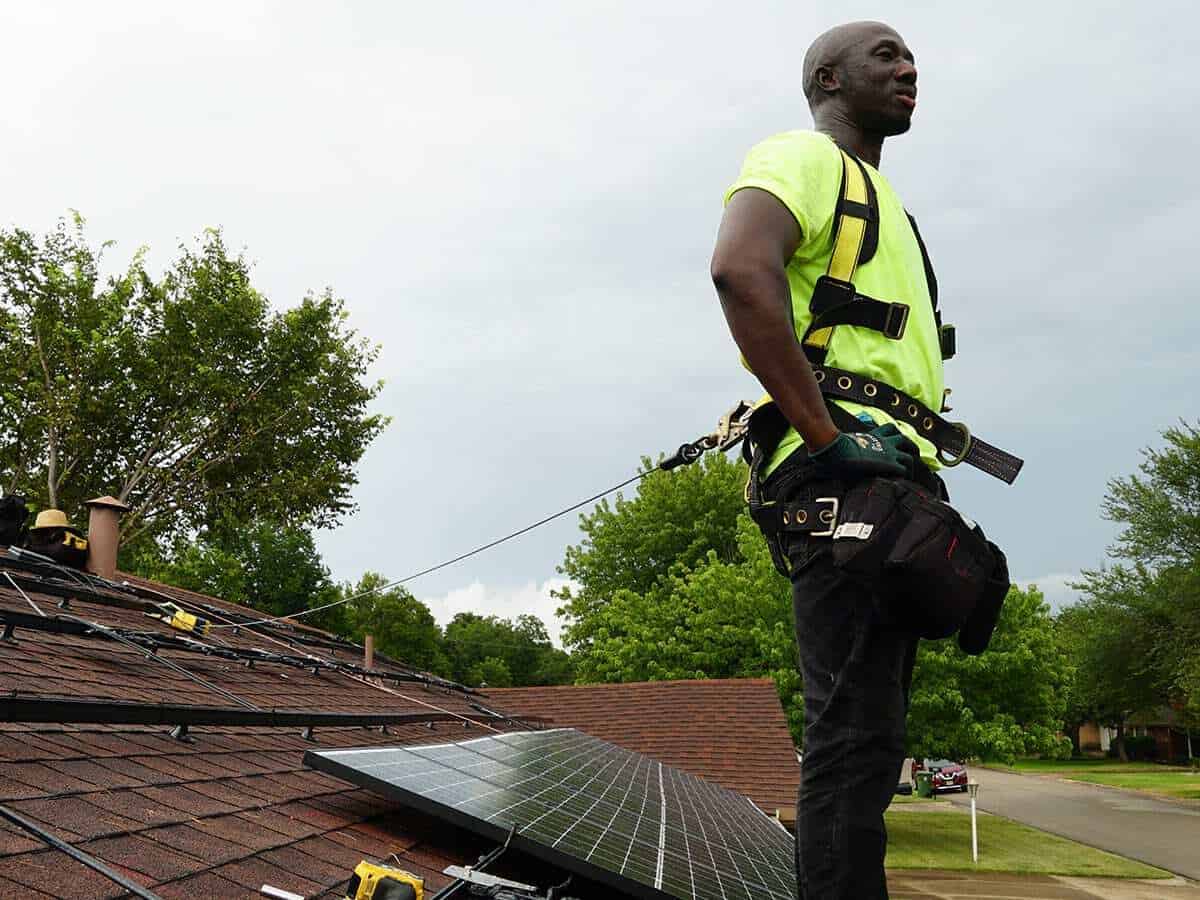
<point x="778" y="237"/>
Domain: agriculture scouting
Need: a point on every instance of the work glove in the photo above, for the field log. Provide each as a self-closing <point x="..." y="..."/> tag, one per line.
<point x="883" y="451"/>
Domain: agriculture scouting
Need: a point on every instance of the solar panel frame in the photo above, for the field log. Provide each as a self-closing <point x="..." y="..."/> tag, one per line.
<point x="481" y="775"/>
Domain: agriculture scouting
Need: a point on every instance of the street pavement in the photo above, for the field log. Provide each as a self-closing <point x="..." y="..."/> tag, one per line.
<point x="1158" y="832"/>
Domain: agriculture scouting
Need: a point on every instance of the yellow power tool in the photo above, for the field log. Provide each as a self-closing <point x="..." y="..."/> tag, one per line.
<point x="180" y="620"/>
<point x="375" y="882"/>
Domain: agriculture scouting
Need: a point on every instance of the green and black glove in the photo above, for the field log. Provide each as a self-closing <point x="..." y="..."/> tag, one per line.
<point x="883" y="451"/>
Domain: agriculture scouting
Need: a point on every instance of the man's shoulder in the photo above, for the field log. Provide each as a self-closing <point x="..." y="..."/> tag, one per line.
<point x="798" y="146"/>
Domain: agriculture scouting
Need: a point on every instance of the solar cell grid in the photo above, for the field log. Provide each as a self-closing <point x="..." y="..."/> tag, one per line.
<point x="590" y="807"/>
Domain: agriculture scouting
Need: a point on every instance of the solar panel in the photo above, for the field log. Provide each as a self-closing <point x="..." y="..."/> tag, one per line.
<point x="589" y="807"/>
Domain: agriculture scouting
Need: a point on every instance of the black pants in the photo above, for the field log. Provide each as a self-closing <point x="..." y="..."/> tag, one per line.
<point x="856" y="657"/>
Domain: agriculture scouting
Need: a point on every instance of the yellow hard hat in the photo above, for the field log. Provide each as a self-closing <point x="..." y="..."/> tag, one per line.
<point x="51" y="518"/>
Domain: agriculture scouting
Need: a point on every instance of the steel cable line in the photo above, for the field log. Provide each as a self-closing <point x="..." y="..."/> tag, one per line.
<point x="449" y="562"/>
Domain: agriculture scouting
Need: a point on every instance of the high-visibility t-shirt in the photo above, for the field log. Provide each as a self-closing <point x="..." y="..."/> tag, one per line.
<point x="803" y="169"/>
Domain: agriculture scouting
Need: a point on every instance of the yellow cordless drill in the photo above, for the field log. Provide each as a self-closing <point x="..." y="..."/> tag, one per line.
<point x="375" y="882"/>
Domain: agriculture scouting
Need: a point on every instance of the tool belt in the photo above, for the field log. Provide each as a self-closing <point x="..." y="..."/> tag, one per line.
<point x="900" y="538"/>
<point x="917" y="550"/>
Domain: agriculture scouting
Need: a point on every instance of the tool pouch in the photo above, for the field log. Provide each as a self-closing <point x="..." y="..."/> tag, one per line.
<point x="919" y="552"/>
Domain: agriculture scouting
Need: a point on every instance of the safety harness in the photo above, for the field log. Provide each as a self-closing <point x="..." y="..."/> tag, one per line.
<point x="835" y="302"/>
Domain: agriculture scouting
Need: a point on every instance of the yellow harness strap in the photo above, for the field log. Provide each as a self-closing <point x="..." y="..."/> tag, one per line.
<point x="849" y="231"/>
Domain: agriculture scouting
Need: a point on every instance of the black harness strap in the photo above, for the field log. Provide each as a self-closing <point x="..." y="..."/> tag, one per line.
<point x="954" y="441"/>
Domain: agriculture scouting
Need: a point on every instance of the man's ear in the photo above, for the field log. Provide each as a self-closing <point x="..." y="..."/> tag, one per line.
<point x="827" y="79"/>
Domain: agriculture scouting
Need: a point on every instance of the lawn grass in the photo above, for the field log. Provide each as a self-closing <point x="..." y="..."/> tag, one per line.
<point x="907" y="799"/>
<point x="942" y="840"/>
<point x="1180" y="784"/>
<point x="1174" y="782"/>
<point x="1072" y="767"/>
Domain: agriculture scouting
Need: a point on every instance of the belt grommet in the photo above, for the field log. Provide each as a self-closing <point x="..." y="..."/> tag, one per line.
<point x="819" y="375"/>
<point x="913" y="411"/>
<point x="801" y="517"/>
<point x="927" y="424"/>
<point x="825" y="516"/>
<point x="895" y="400"/>
<point x="785" y="517"/>
<point x="844" y="382"/>
<point x="870" y="390"/>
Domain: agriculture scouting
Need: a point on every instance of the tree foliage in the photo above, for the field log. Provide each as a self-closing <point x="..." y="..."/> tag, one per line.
<point x="1136" y="632"/>
<point x="403" y="627"/>
<point x="263" y="565"/>
<point x="186" y="396"/>
<point x="1007" y="702"/>
<point x="503" y="653"/>
<point x="677" y="583"/>
<point x="676" y="518"/>
<point x="716" y="619"/>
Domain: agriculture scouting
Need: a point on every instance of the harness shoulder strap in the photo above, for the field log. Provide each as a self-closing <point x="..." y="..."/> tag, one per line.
<point x="855" y="238"/>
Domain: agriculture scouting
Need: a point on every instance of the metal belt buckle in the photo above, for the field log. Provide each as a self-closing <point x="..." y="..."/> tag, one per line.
<point x="966" y="447"/>
<point x="897" y="320"/>
<point x="831" y="521"/>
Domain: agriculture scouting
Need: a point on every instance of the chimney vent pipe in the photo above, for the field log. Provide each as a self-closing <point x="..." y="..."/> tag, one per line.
<point x="104" y="535"/>
<point x="369" y="651"/>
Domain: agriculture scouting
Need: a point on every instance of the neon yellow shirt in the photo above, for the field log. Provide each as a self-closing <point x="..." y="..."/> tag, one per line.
<point x="803" y="169"/>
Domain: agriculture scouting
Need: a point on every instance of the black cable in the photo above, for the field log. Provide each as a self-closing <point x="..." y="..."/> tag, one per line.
<point x="488" y="546"/>
<point x="75" y="853"/>
<point x="182" y="670"/>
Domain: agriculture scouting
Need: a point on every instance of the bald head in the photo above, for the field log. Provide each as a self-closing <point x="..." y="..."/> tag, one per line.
<point x="830" y="51"/>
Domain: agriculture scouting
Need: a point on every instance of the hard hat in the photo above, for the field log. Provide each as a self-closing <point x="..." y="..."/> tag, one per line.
<point x="51" y="518"/>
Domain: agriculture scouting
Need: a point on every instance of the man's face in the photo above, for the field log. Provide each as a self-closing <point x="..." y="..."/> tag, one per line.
<point x="879" y="82"/>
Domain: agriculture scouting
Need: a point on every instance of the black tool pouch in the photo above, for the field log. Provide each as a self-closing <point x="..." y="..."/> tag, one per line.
<point x="13" y="513"/>
<point x="919" y="552"/>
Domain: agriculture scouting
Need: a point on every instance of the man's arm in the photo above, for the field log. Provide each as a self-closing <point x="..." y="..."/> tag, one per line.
<point x="758" y="236"/>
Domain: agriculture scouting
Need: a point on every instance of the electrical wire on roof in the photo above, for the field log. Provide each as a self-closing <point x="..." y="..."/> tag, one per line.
<point x="114" y="635"/>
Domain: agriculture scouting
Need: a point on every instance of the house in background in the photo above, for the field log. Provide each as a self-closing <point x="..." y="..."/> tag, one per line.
<point x="1172" y="741"/>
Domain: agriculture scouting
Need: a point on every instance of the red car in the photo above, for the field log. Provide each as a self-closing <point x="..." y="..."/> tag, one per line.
<point x="947" y="775"/>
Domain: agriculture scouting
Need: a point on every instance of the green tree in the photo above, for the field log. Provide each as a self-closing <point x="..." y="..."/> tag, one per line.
<point x="1004" y="703"/>
<point x="492" y="672"/>
<point x="716" y="619"/>
<point x="403" y="627"/>
<point x="1137" y="628"/>
<point x="185" y="396"/>
<point x="269" y="567"/>
<point x="474" y="644"/>
<point x="676" y="518"/>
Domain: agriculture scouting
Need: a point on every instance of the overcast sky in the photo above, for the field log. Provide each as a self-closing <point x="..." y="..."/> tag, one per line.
<point x="518" y="201"/>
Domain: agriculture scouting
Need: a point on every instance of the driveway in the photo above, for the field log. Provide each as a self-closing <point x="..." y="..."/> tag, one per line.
<point x="1157" y="832"/>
